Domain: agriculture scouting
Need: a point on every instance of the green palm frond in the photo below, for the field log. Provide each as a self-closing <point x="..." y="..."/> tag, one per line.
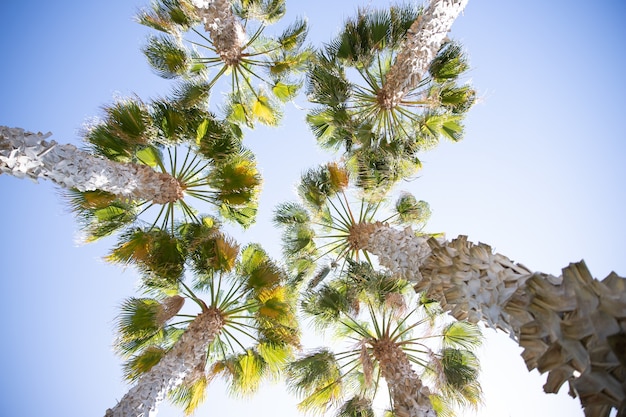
<point x="317" y="378"/>
<point x="327" y="83"/>
<point x="290" y="213"/>
<point x="457" y="99"/>
<point x="159" y="255"/>
<point x="244" y="372"/>
<point x="433" y="125"/>
<point x="460" y="370"/>
<point x="126" y="125"/>
<point x="190" y="395"/>
<point x="378" y="169"/>
<point x="356" y="406"/>
<point x="168" y="16"/>
<point x="325" y="305"/>
<point x="411" y="211"/>
<point x="319" y="184"/>
<point x="265" y="11"/>
<point x="208" y="248"/>
<point x="142" y="362"/>
<point x="99" y="213"/>
<point x="370" y="32"/>
<point x="276" y="355"/>
<point x="442" y="407"/>
<point x="168" y="57"/>
<point x="462" y="334"/>
<point x="449" y="63"/>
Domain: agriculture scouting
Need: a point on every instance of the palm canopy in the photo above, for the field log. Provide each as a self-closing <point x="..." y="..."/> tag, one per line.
<point x="262" y="69"/>
<point x="178" y="136"/>
<point x="322" y="229"/>
<point x="252" y="322"/>
<point x="368" y="311"/>
<point x="347" y="80"/>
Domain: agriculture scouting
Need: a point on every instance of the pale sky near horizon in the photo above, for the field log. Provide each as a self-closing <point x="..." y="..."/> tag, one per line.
<point x="539" y="176"/>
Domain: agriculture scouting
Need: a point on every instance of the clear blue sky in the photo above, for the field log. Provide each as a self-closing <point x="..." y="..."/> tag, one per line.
<point x="539" y="177"/>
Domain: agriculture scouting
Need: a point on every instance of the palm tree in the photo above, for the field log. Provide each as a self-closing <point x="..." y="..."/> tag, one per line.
<point x="318" y="231"/>
<point x="552" y="318"/>
<point x="27" y="154"/>
<point x="388" y="87"/>
<point x="369" y="311"/>
<point x="571" y="326"/>
<point x="236" y="45"/>
<point x="148" y="163"/>
<point x="245" y="331"/>
<point x="176" y="137"/>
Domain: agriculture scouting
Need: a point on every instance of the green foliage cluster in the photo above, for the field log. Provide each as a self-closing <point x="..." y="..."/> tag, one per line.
<point x="183" y="253"/>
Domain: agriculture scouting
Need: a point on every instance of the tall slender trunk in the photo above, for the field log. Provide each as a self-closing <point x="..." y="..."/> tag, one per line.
<point x="410" y="397"/>
<point x="225" y="30"/>
<point x="183" y="360"/>
<point x="26" y="154"/>
<point x="423" y="40"/>
<point x="572" y="326"/>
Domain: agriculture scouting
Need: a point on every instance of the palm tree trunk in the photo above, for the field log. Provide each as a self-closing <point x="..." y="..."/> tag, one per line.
<point x="423" y="40"/>
<point x="572" y="326"/>
<point x="227" y="33"/>
<point x="184" y="359"/>
<point x="26" y="154"/>
<point x="410" y="397"/>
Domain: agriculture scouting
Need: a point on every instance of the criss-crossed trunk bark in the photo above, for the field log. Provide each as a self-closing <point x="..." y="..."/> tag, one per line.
<point x="410" y="397"/>
<point x="26" y="154"/>
<point x="572" y="326"/>
<point x="179" y="364"/>
<point x="225" y="30"/>
<point x="423" y="40"/>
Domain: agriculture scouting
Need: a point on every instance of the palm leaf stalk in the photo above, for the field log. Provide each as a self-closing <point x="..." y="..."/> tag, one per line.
<point x="27" y="154"/>
<point x="245" y="332"/>
<point x="423" y="41"/>
<point x="571" y="326"/>
<point x="260" y="69"/>
<point x="368" y="310"/>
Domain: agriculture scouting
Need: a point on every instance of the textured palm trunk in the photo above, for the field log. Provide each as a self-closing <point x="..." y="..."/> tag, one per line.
<point x="226" y="32"/>
<point x="423" y="40"/>
<point x="571" y="326"/>
<point x="26" y="154"/>
<point x="410" y="397"/>
<point x="181" y="363"/>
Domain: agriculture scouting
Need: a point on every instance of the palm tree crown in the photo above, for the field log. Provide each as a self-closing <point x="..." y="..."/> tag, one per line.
<point x="325" y="228"/>
<point x="175" y="136"/>
<point x="385" y="339"/>
<point x="236" y="46"/>
<point x="350" y="81"/>
<point x="245" y="331"/>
